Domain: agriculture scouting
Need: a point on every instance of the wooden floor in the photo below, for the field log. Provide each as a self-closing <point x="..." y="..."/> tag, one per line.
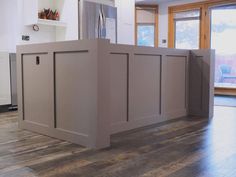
<point x="184" y="148"/>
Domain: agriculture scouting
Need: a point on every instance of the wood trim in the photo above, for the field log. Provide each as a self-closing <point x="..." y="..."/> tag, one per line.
<point x="156" y="8"/>
<point x="135" y="28"/>
<point x="206" y="40"/>
<point x="204" y="7"/>
<point x="225" y="91"/>
<point x="156" y="26"/>
<point x="208" y="3"/>
<point x="171" y="31"/>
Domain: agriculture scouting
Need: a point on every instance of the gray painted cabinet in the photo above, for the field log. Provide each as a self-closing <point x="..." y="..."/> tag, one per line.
<point x="38" y="89"/>
<point x="175" y="86"/>
<point x="85" y="91"/>
<point x="74" y="91"/>
<point x="145" y="87"/>
<point x="201" y="82"/>
<point x="119" y="88"/>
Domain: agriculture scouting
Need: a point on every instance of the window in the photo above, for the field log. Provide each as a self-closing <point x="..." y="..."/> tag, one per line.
<point x="146" y="35"/>
<point x="208" y="24"/>
<point x="146" y="26"/>
<point x="223" y="30"/>
<point x="187" y="29"/>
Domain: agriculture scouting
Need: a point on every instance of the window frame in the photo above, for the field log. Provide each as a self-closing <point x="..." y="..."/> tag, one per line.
<point x="172" y="30"/>
<point x="187" y="19"/>
<point x="205" y="18"/>
<point x="205" y="29"/>
<point x="147" y="7"/>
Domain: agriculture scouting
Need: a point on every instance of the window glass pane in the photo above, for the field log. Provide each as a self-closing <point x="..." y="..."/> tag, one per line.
<point x="146" y="35"/>
<point x="223" y="30"/>
<point x="187" y="34"/>
<point x="187" y="14"/>
<point x="145" y="16"/>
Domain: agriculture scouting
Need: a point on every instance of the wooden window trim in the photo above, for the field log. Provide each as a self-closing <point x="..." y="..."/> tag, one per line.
<point x="156" y="8"/>
<point x="204" y="7"/>
<point x="225" y="91"/>
<point x="176" y="9"/>
<point x="205" y="28"/>
<point x="171" y="32"/>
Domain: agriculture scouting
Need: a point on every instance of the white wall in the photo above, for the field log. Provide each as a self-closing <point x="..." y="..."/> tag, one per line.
<point x="45" y="34"/>
<point x="5" y="93"/>
<point x="163" y="19"/>
<point x="126" y="21"/>
<point x="13" y="29"/>
<point x="8" y="27"/>
<point x="69" y="13"/>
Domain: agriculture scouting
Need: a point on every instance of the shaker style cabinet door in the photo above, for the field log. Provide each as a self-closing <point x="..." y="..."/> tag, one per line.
<point x="37" y="89"/>
<point x="175" y="83"/>
<point x="119" y="89"/>
<point x="145" y="88"/>
<point x="75" y="92"/>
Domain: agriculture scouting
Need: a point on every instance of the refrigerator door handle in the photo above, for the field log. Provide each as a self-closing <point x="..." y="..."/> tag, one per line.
<point x="103" y="30"/>
<point x="100" y="24"/>
<point x="99" y="21"/>
<point x="103" y="17"/>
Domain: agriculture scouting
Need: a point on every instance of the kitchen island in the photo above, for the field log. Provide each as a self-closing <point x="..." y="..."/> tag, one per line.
<point x="84" y="91"/>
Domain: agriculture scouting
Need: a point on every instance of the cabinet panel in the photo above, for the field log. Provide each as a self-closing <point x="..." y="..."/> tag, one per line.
<point x="119" y="87"/>
<point x="201" y="83"/>
<point x="145" y="87"/>
<point x="76" y="90"/>
<point x="196" y="84"/>
<point x="38" y="89"/>
<point x="175" y="92"/>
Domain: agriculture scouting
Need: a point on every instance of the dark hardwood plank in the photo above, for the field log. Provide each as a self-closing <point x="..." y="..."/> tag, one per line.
<point x="188" y="147"/>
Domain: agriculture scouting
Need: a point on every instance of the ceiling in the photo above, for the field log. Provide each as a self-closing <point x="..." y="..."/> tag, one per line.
<point x="152" y="1"/>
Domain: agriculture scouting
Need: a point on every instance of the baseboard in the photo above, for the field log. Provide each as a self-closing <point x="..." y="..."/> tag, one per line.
<point x="4" y="108"/>
<point x="7" y="108"/>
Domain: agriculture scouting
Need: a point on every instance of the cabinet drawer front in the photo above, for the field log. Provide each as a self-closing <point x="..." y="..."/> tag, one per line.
<point x="38" y="89"/>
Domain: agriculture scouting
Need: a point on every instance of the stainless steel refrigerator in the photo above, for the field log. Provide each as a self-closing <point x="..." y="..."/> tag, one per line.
<point x="97" y="21"/>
